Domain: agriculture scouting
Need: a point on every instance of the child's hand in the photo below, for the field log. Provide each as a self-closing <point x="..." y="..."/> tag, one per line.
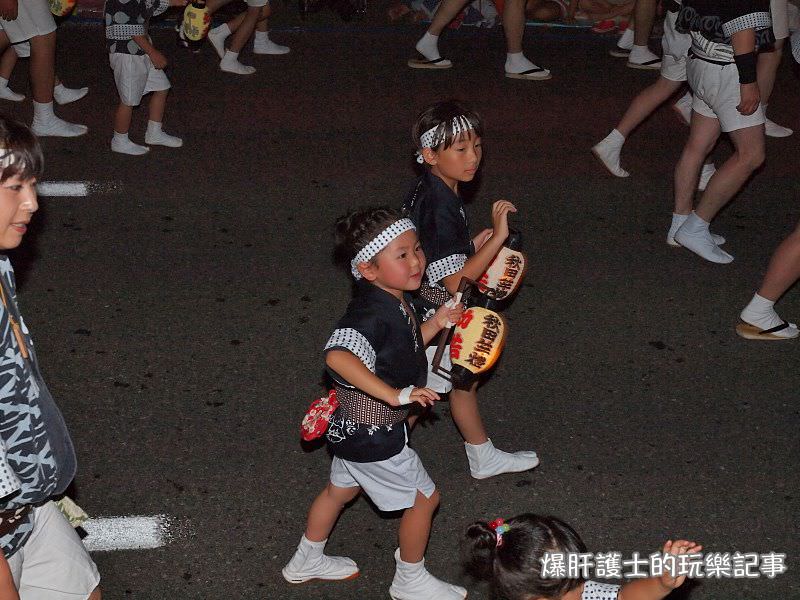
<point x="676" y="548"/>
<point x="159" y="60"/>
<point x="480" y="239"/>
<point x="500" y="210"/>
<point x="448" y="315"/>
<point x="421" y="395"/>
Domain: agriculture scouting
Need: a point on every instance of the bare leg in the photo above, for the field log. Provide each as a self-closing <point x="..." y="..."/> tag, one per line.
<point x="7" y="62"/>
<point x="122" y="118"/>
<point x="467" y="416"/>
<point x="643" y="14"/>
<point x="43" y="54"/>
<point x="245" y="30"/>
<point x="325" y="510"/>
<point x="415" y="527"/>
<point x="95" y="595"/>
<point x="446" y="12"/>
<point x="703" y="134"/>
<point x="514" y="24"/>
<point x="732" y="175"/>
<point x="157" y="105"/>
<point x="263" y="18"/>
<point x="784" y="268"/>
<point x="648" y="100"/>
<point x="768" y="63"/>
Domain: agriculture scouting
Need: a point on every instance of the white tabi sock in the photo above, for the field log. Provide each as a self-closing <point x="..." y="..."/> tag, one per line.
<point x="428" y="46"/>
<point x="155" y="136"/>
<point x="64" y="95"/>
<point x="230" y="64"/>
<point x="46" y="123"/>
<point x="6" y="93"/>
<point x="121" y="143"/>
<point x="760" y="312"/>
<point x="695" y="236"/>
<point x="626" y="39"/>
<point x="608" y="150"/>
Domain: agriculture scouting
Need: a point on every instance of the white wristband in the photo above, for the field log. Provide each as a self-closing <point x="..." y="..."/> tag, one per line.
<point x="404" y="397"/>
<point x="452" y="303"/>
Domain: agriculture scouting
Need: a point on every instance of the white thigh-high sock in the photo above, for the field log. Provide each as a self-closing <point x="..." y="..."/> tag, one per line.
<point x="761" y="313"/>
<point x="6" y="93"/>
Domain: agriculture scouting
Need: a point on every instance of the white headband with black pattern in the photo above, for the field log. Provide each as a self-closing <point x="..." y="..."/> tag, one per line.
<point x="379" y="242"/>
<point x="435" y="135"/>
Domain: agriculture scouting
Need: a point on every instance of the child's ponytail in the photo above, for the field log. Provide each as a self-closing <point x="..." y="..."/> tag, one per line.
<point x="509" y="555"/>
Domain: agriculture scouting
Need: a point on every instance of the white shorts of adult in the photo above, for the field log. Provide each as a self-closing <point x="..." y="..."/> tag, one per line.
<point x="676" y="50"/>
<point x="392" y="484"/>
<point x="53" y="564"/>
<point x="33" y="18"/>
<point x="716" y="95"/>
<point x="779" y="9"/>
<point x="436" y="382"/>
<point x="257" y="3"/>
<point x="136" y="76"/>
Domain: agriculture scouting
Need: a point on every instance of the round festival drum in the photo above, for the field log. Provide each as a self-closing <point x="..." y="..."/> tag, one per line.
<point x="196" y="21"/>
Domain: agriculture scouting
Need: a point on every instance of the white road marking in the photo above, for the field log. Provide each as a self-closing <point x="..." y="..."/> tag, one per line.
<point x="63" y="188"/>
<point x="126" y="533"/>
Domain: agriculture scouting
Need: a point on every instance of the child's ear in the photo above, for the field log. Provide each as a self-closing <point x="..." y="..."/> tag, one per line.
<point x="367" y="270"/>
<point x="430" y="156"/>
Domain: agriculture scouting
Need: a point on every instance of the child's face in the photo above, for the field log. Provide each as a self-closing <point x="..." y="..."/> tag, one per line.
<point x="17" y="205"/>
<point x="400" y="266"/>
<point x="459" y="162"/>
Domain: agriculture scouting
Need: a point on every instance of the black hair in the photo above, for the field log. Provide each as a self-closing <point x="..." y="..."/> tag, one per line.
<point x="514" y="568"/>
<point x="442" y="114"/>
<point x="358" y="228"/>
<point x="20" y="149"/>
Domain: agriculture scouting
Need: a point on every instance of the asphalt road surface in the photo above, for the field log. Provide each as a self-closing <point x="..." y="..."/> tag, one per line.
<point x="180" y="311"/>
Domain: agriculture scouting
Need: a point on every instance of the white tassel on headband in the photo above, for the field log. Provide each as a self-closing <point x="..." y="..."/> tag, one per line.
<point x="379" y="242"/>
<point x="436" y="135"/>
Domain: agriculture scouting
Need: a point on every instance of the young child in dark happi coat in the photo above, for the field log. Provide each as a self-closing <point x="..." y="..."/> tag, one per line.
<point x="448" y="138"/>
<point x="376" y="358"/>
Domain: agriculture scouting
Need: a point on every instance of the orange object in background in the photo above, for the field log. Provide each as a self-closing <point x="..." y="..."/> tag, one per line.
<point x="500" y="5"/>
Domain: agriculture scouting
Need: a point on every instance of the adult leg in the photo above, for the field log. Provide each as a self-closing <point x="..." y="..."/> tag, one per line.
<point x="643" y="105"/>
<point x="411" y="578"/>
<point x="261" y="42"/>
<point x="783" y="272"/>
<point x="484" y="459"/>
<point x="7" y="62"/>
<point x="45" y="122"/>
<point x="641" y="57"/>
<point x="230" y="61"/>
<point x="517" y="65"/>
<point x="309" y="561"/>
<point x="428" y="44"/>
<point x="768" y="63"/>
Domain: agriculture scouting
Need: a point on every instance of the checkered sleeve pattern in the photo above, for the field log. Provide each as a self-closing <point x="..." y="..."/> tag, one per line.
<point x="353" y="341"/>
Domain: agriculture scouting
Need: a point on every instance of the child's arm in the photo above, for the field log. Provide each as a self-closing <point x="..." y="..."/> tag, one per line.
<point x="7" y="589"/>
<point x="350" y="367"/>
<point x="655" y="588"/>
<point x="159" y="60"/>
<point x="477" y="263"/>
<point x="441" y="319"/>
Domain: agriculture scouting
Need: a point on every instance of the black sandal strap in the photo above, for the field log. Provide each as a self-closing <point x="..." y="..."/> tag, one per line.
<point x="531" y="71"/>
<point x="776" y="329"/>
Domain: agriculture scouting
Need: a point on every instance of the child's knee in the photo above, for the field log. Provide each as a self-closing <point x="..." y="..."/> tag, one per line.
<point x="428" y="502"/>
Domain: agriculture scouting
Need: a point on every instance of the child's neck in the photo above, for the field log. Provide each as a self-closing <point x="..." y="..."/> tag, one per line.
<point x="448" y="181"/>
<point x="394" y="292"/>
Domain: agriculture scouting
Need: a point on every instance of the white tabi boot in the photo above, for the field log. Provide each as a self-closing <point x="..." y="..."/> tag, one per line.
<point x="487" y="461"/>
<point x="413" y="582"/>
<point x="310" y="563"/>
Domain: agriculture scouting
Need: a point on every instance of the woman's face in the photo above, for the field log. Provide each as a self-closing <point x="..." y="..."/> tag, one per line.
<point x="17" y="205"/>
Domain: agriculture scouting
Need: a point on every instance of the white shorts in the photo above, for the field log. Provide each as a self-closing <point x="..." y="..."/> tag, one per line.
<point x="136" y="76"/>
<point x="392" y="484"/>
<point x="33" y="18"/>
<point x="53" y="564"/>
<point x="716" y="95"/>
<point x="779" y="9"/>
<point x="257" y="3"/>
<point x="437" y="383"/>
<point x="675" y="50"/>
